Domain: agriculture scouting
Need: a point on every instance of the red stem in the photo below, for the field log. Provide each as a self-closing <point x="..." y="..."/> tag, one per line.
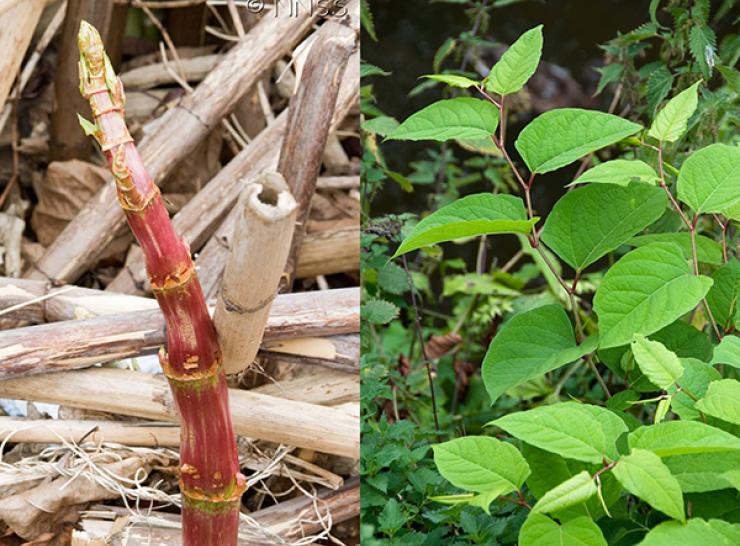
<point x="210" y="481"/>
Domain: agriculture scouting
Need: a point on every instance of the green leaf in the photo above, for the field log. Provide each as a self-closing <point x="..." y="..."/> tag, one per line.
<point x="90" y="128"/>
<point x="577" y="431"/>
<point x="702" y="43"/>
<point x="587" y="223"/>
<point x="684" y="340"/>
<point x="366" y="19"/>
<point x="724" y="295"/>
<point x="708" y="250"/>
<point x="731" y="76"/>
<point x="709" y="180"/>
<point x="471" y="216"/>
<point x="722" y="400"/>
<point x="560" y="137"/>
<point x="517" y="64"/>
<point x="481" y="464"/>
<point x="452" y="80"/>
<point x="661" y="366"/>
<point x="643" y="474"/>
<point x="644" y="291"/>
<point x="696" y="532"/>
<point x="682" y="437"/>
<point x="659" y="84"/>
<point x="392" y="518"/>
<point x="672" y="121"/>
<point x="530" y="344"/>
<point x="378" y="311"/>
<point x="620" y="172"/>
<point x="695" y="379"/>
<point x="462" y="117"/>
<point x="727" y="352"/>
<point x="539" y="530"/>
<point x="701" y="472"/>
<point x="572" y="491"/>
<point x="393" y="279"/>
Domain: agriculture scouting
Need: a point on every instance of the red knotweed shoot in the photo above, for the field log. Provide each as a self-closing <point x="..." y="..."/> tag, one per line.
<point x="210" y="481"/>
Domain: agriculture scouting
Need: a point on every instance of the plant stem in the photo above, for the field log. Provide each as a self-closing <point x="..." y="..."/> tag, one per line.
<point x="210" y="481"/>
<point x="691" y="224"/>
<point x="420" y="336"/>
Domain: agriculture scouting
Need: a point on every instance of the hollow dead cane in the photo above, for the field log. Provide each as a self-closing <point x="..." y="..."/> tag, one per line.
<point x="210" y="482"/>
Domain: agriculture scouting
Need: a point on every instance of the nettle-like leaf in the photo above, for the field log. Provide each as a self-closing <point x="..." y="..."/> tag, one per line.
<point x="481" y="464"/>
<point x="697" y="531"/>
<point x="379" y="311"/>
<point x="517" y="64"/>
<point x="727" y="352"/>
<point x="672" y="121"/>
<point x="620" y="172"/>
<point x="560" y="137"/>
<point x="462" y="117"/>
<point x="453" y="80"/>
<point x="661" y="366"/>
<point x="701" y="472"/>
<point x="709" y="180"/>
<point x="682" y="437"/>
<point x="572" y="491"/>
<point x="643" y="474"/>
<point x="587" y="223"/>
<point x="722" y="400"/>
<point x="576" y="431"/>
<point x="539" y="530"/>
<point x="724" y="296"/>
<point x="708" y="250"/>
<point x="644" y="291"/>
<point x="471" y="216"/>
<point x="531" y="344"/>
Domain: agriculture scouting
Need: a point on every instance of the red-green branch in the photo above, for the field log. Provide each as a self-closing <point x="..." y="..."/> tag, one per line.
<point x="210" y="481"/>
<point x="691" y="224"/>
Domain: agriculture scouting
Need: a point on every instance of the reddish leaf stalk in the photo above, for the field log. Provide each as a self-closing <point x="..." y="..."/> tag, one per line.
<point x="210" y="481"/>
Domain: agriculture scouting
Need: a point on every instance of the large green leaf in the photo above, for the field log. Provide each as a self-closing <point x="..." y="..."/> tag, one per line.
<point x="517" y="64"/>
<point x="697" y="376"/>
<point x="708" y="250"/>
<point x="620" y="172"/>
<point x="727" y="352"/>
<point x="700" y="472"/>
<point x="647" y="289"/>
<point x="559" y="137"/>
<point x="709" y="180"/>
<point x="643" y="474"/>
<point x="539" y="530"/>
<point x="661" y="366"/>
<point x="722" y="400"/>
<point x="684" y="340"/>
<point x="696" y="532"/>
<point x="462" y="117"/>
<point x="723" y="298"/>
<point x="572" y="491"/>
<point x="481" y="464"/>
<point x="473" y="215"/>
<point x="577" y="431"/>
<point x="682" y="437"/>
<point x="589" y="222"/>
<point x="671" y="122"/>
<point x="530" y="344"/>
